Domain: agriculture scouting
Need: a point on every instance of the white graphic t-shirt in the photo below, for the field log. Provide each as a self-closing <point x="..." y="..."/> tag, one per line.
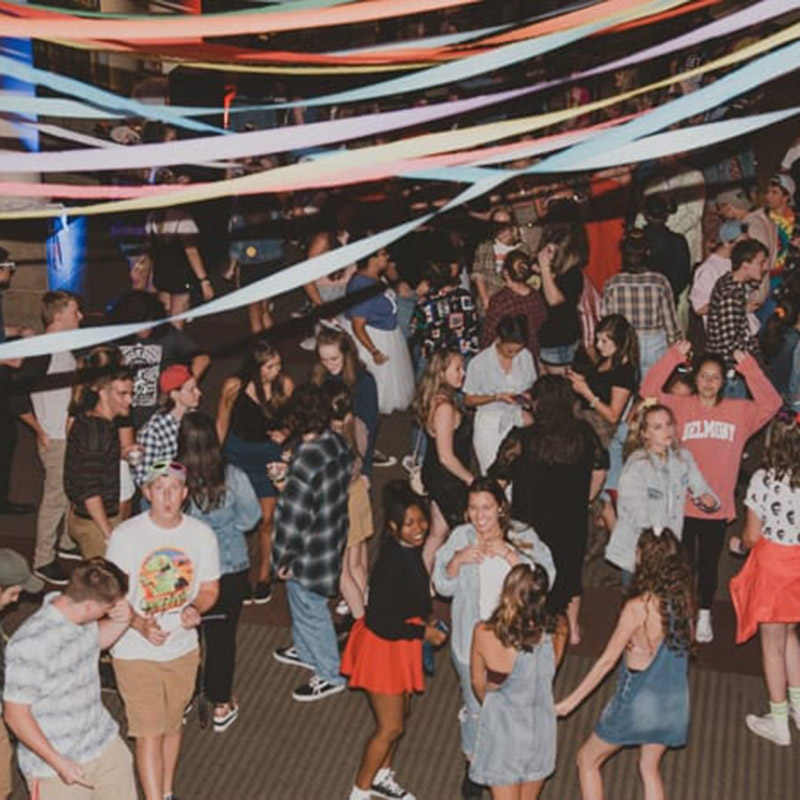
<point x="165" y="567"/>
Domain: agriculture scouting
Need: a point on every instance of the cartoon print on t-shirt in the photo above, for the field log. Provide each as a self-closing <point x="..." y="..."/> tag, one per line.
<point x="165" y="577"/>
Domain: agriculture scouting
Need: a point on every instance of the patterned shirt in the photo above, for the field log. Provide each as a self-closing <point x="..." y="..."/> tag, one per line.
<point x="311" y="518"/>
<point x="728" y="328"/>
<point x="446" y="319"/>
<point x="158" y="438"/>
<point x="644" y="299"/>
<point x="51" y="666"/>
<point x="507" y="302"/>
<point x="91" y="464"/>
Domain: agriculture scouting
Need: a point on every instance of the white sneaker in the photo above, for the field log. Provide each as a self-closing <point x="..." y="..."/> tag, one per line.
<point x="767" y="728"/>
<point x="360" y="794"/>
<point x="386" y="786"/>
<point x="704" y="632"/>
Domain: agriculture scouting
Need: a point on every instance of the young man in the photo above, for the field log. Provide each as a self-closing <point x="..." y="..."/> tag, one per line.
<point x="91" y="465"/>
<point x="158" y="437"/>
<point x="45" y="410"/>
<point x="669" y="251"/>
<point x="728" y="327"/>
<point x="69" y="745"/>
<point x="15" y="578"/>
<point x="8" y="420"/>
<point x="173" y="565"/>
<point x="311" y="523"/>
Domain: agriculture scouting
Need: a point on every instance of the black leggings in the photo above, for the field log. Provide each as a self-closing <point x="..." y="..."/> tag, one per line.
<point x="220" y="657"/>
<point x="703" y="539"/>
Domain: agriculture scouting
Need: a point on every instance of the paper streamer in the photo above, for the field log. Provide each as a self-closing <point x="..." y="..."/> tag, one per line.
<point x="314" y="268"/>
<point x="752" y="15"/>
<point x="207" y="25"/>
<point x="242" y="145"/>
<point x="344" y="166"/>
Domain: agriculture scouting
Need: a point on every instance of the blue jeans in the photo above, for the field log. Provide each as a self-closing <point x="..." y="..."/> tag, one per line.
<point x="469" y="713"/>
<point x="312" y="631"/>
<point x="735" y="387"/>
<point x="652" y="345"/>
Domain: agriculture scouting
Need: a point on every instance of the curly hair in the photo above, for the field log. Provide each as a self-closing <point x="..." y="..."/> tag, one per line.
<point x="638" y="427"/>
<point x="663" y="571"/>
<point x="433" y="385"/>
<point x="521" y="619"/>
<point x="782" y="451"/>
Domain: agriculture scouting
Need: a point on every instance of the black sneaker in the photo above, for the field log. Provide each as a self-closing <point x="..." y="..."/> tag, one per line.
<point x="289" y="655"/>
<point x="52" y="573"/>
<point x="469" y="789"/>
<point x="316" y="689"/>
<point x="380" y="459"/>
<point x="260" y="594"/>
<point x="70" y="553"/>
<point x="385" y="785"/>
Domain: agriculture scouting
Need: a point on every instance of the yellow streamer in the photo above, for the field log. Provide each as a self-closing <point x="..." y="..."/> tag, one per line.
<point x="312" y="173"/>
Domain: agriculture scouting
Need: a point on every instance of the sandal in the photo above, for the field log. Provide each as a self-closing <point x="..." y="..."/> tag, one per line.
<point x="222" y="723"/>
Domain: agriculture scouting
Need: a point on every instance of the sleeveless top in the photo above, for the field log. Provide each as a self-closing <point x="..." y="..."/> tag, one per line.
<point x="249" y="421"/>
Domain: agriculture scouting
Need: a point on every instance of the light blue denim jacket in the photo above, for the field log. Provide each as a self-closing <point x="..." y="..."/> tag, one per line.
<point x="239" y="513"/>
<point x="465" y="589"/>
<point x="652" y="493"/>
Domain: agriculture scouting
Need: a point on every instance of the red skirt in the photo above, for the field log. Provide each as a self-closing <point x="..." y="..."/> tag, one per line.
<point x="383" y="666"/>
<point x="767" y="588"/>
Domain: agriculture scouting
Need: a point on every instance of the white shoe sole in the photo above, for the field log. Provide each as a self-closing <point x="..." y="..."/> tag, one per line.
<point x="291" y="662"/>
<point x="312" y="698"/>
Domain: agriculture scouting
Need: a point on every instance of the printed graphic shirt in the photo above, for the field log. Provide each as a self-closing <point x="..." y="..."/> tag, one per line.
<point x="777" y="505"/>
<point x="165" y="567"/>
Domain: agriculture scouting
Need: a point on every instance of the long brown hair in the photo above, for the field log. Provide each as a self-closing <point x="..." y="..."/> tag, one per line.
<point x="433" y="386"/>
<point x="521" y="619"/>
<point x="781" y="456"/>
<point x="200" y="453"/>
<point x="663" y="571"/>
<point x="347" y="348"/>
<point x="263" y="350"/>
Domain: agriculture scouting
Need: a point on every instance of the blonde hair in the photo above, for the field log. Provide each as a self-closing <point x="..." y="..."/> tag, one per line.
<point x="638" y="426"/>
<point x="433" y="386"/>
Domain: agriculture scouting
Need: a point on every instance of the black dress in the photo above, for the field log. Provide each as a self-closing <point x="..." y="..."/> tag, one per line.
<point x="554" y="500"/>
<point x="449" y="492"/>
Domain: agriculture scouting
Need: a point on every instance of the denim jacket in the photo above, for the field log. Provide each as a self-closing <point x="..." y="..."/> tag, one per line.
<point x="465" y="588"/>
<point x="239" y="513"/>
<point x="652" y="493"/>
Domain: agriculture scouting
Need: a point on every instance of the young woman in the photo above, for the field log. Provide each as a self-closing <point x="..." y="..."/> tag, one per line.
<point x="380" y="341"/>
<point x="517" y="297"/>
<point x="555" y="467"/>
<point x="714" y="429"/>
<point x="221" y="496"/>
<point x="650" y="708"/>
<point x="338" y="362"/>
<point x="448" y="431"/>
<point x="513" y="665"/>
<point x="655" y="482"/>
<point x="383" y="655"/>
<point x="353" y="583"/>
<point x="766" y="592"/>
<point x="497" y="385"/>
<point x="250" y="424"/>
<point x="560" y="263"/>
<point x="471" y="567"/>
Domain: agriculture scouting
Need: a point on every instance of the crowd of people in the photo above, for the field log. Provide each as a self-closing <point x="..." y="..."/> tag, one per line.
<point x="591" y="366"/>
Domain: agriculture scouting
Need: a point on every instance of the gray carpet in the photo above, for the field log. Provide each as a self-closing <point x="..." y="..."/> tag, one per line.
<point x="283" y="750"/>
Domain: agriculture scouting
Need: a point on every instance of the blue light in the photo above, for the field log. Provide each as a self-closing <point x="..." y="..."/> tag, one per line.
<point x="66" y="254"/>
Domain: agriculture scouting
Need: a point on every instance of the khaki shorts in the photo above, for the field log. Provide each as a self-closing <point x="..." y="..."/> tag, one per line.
<point x="6" y="783"/>
<point x="111" y="775"/>
<point x="155" y="693"/>
<point x="88" y="536"/>
<point x="359" y="511"/>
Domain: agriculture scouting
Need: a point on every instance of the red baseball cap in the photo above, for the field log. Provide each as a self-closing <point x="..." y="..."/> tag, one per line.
<point x="174" y="377"/>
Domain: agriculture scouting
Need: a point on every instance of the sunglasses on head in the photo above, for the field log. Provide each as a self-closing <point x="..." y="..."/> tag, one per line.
<point x="166" y="467"/>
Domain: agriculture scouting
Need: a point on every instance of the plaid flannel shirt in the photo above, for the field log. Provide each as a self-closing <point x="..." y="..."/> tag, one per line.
<point x="644" y="299"/>
<point x="728" y="328"/>
<point x="311" y="518"/>
<point x="158" y="438"/>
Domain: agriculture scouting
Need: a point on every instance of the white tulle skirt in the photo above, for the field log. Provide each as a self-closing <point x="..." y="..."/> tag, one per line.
<point x="395" y="378"/>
